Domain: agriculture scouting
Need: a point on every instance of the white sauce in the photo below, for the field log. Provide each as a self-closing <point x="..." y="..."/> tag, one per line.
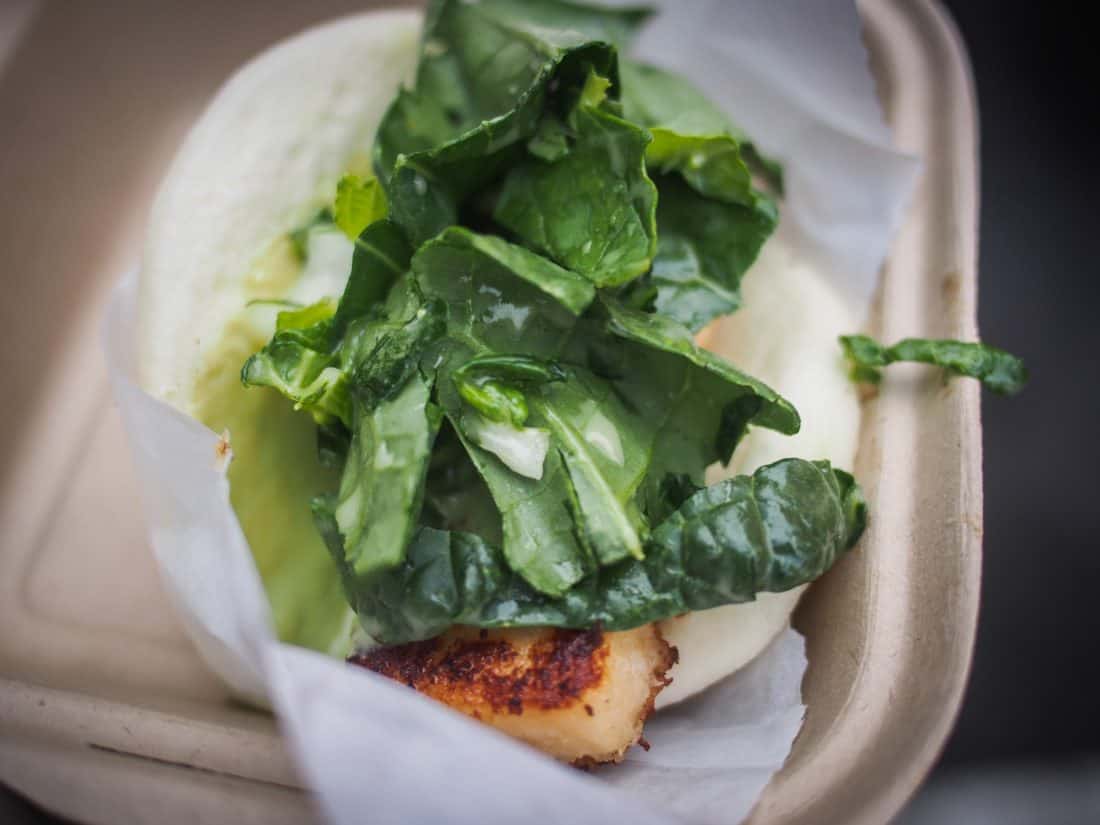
<point x="523" y="450"/>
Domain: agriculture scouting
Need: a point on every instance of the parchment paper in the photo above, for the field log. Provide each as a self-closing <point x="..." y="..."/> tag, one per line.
<point x="793" y="74"/>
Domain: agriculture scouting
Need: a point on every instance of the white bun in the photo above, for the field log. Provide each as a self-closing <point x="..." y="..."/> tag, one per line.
<point x="267" y="154"/>
<point x="264" y="158"/>
<point x="785" y="334"/>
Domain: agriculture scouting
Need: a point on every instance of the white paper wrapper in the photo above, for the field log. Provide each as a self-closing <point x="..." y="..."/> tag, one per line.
<point x="795" y="76"/>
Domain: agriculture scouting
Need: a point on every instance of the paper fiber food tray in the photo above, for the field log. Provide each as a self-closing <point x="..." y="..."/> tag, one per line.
<point x="81" y="613"/>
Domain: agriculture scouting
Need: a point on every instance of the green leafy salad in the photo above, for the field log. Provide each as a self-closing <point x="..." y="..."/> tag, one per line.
<point x="509" y="385"/>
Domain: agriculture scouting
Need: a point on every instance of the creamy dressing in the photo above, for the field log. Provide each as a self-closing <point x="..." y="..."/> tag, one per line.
<point x="523" y="449"/>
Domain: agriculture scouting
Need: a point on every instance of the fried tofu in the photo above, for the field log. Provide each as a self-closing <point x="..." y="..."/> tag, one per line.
<point x="581" y="696"/>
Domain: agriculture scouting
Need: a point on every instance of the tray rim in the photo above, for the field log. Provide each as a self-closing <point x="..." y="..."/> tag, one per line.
<point x="804" y="795"/>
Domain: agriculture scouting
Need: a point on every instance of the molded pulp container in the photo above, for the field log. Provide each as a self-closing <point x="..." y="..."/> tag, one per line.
<point x="107" y="714"/>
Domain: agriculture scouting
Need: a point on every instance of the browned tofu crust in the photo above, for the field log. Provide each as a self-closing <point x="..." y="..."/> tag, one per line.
<point x="580" y="695"/>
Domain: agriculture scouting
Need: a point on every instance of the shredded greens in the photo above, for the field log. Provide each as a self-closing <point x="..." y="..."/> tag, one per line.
<point x="1000" y="371"/>
<point x="509" y="383"/>
<point x="771" y="531"/>
<point x="359" y="203"/>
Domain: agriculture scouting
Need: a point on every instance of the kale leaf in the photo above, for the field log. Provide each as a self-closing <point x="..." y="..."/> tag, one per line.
<point x="1000" y="371"/>
<point x="301" y="363"/>
<point x="711" y="219"/>
<point x="593" y="208"/>
<point x="771" y="531"/>
<point x="488" y="71"/>
<point x="358" y="204"/>
<point x="378" y="504"/>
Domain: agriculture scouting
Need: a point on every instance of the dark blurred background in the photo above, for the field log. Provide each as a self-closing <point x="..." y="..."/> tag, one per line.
<point x="1027" y="745"/>
<point x="1026" y="750"/>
